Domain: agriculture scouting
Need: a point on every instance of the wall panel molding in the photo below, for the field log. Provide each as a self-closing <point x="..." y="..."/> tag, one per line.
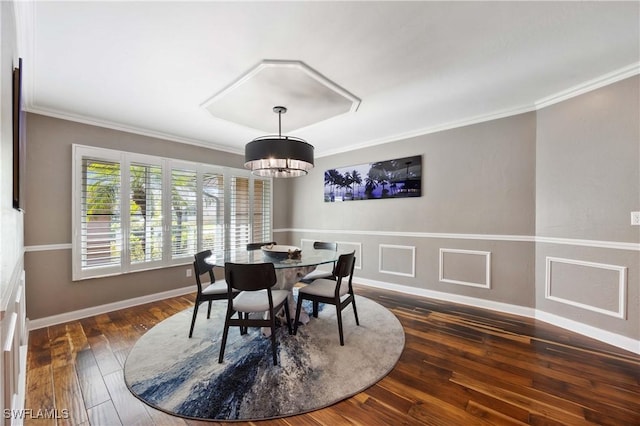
<point x="621" y="286"/>
<point x="487" y="272"/>
<point x="412" y="259"/>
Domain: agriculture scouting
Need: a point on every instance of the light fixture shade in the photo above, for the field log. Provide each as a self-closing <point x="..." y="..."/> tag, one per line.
<point x="278" y="156"/>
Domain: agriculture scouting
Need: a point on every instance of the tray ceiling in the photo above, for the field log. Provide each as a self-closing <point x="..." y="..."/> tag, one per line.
<point x="168" y="69"/>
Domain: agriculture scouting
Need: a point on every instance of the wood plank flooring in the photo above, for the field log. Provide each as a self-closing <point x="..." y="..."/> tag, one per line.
<point x="460" y="366"/>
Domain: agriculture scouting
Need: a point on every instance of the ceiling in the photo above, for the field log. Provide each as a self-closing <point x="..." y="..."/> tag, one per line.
<point x="414" y="67"/>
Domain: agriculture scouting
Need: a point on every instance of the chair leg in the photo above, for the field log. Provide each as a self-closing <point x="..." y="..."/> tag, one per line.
<point x="315" y="309"/>
<point x="243" y="329"/>
<point x="272" y="317"/>
<point x="193" y="319"/>
<point x="209" y="310"/>
<point x="298" y="309"/>
<point x="355" y="311"/>
<point x="339" y="315"/>
<point x="287" y="315"/>
<point x="225" y="332"/>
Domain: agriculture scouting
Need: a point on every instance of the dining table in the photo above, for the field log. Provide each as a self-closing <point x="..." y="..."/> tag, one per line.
<point x="288" y="270"/>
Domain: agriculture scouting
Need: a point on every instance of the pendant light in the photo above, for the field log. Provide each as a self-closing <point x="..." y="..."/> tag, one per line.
<point x="278" y="156"/>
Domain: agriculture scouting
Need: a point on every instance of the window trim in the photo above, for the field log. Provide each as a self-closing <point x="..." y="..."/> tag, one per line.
<point x="125" y="159"/>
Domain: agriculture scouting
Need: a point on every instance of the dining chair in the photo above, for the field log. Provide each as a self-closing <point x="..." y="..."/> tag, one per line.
<point x="254" y="281"/>
<point x="216" y="290"/>
<point x="320" y="273"/>
<point x="257" y="246"/>
<point x="338" y="293"/>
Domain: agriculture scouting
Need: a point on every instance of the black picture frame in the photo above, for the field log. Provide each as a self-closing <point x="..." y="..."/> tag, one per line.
<point x="19" y="140"/>
<point x="397" y="178"/>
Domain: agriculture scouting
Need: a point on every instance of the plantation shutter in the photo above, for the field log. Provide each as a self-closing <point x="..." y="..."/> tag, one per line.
<point x="100" y="237"/>
<point x="239" y="220"/>
<point x="145" y="213"/>
<point x="261" y="227"/>
<point x="184" y="203"/>
<point x="213" y="212"/>
<point x="134" y="212"/>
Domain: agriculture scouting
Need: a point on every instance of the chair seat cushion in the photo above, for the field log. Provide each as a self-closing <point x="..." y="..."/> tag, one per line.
<point x="257" y="301"/>
<point x="324" y="287"/>
<point x="317" y="274"/>
<point x="218" y="287"/>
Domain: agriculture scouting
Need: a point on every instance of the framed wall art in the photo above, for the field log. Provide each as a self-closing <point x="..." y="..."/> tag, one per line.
<point x="397" y="178"/>
<point x="18" y="139"/>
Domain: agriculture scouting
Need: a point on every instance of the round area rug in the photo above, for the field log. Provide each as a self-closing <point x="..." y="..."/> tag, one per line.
<point x="181" y="376"/>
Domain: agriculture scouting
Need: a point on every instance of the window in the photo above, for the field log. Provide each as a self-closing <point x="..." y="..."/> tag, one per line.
<point x="145" y="213"/>
<point x="100" y="244"/>
<point x="134" y="212"/>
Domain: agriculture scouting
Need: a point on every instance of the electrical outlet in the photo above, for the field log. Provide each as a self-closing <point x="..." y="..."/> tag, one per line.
<point x="188" y="272"/>
<point x="635" y="218"/>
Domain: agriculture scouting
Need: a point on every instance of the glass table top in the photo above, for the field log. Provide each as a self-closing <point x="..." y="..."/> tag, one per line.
<point x="309" y="257"/>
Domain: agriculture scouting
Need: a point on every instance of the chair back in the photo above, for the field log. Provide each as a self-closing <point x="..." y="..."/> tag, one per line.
<point x="201" y="267"/>
<point x="256" y="246"/>
<point x="324" y="245"/>
<point x="344" y="266"/>
<point x="250" y="276"/>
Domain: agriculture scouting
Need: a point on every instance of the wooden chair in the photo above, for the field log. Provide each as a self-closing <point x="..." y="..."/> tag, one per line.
<point x="254" y="281"/>
<point x="256" y="246"/>
<point x="216" y="290"/>
<point x="320" y="273"/>
<point x="338" y="293"/>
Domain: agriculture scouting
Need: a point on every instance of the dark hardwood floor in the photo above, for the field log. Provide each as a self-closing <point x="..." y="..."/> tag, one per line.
<point x="460" y="366"/>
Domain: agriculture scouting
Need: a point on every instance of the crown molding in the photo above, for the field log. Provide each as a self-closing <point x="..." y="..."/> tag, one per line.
<point x="495" y="115"/>
<point x="577" y="90"/>
<point x="129" y="129"/>
<point x="588" y="86"/>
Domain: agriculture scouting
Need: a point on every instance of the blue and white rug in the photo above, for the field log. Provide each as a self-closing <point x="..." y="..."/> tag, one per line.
<point x="181" y="376"/>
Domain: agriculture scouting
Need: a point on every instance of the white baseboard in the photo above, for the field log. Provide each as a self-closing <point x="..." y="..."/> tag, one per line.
<point x="109" y="307"/>
<point x="608" y="337"/>
<point x="456" y="298"/>
<point x="614" y="339"/>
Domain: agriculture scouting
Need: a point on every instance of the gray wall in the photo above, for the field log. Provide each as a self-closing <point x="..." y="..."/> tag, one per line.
<point x="567" y="173"/>
<point x="587" y="183"/>
<point x="478" y="194"/>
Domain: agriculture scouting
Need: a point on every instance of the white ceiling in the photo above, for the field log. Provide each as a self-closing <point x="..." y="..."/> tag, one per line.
<point x="150" y="67"/>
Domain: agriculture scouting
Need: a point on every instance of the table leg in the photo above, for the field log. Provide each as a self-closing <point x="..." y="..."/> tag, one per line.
<point x="287" y="278"/>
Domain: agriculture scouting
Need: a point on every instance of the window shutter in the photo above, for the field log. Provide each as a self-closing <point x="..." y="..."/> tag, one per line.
<point x="145" y="213"/>
<point x="100" y="237"/>
<point x="213" y="212"/>
<point x="184" y="224"/>
<point x="134" y="211"/>
<point x="261" y="226"/>
<point x="239" y="220"/>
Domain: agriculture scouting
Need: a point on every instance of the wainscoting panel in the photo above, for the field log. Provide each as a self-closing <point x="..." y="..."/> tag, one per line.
<point x="602" y="286"/>
<point x="397" y="260"/>
<point x="465" y="267"/>
<point x="13" y="329"/>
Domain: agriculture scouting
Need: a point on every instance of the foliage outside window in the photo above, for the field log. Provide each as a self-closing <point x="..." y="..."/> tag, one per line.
<point x="134" y="212"/>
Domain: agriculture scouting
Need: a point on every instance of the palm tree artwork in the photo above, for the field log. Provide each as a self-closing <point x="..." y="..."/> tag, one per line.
<point x="397" y="178"/>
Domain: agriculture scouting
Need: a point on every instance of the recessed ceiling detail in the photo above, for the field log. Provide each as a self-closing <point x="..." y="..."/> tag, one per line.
<point x="309" y="96"/>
